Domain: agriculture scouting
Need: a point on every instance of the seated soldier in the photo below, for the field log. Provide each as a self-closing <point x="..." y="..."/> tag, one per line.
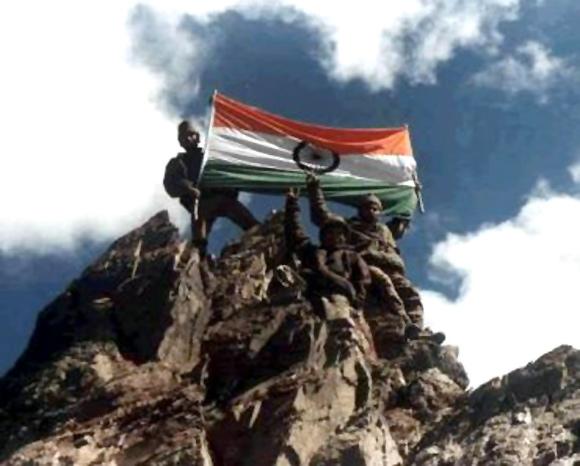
<point x="331" y="268"/>
<point x="378" y="248"/>
<point x="182" y="174"/>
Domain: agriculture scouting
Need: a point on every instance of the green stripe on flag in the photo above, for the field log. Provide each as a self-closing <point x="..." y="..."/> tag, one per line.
<point x="397" y="200"/>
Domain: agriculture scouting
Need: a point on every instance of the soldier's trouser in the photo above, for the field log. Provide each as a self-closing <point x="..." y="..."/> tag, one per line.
<point x="383" y="283"/>
<point x="392" y="264"/>
<point x="223" y="206"/>
<point x="210" y="209"/>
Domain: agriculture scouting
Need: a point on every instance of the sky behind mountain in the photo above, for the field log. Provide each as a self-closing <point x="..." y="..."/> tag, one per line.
<point x="488" y="88"/>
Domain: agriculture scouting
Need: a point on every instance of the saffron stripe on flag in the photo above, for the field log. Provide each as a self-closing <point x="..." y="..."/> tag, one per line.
<point x="232" y="114"/>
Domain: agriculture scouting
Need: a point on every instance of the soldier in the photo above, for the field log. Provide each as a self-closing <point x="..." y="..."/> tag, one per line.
<point x="378" y="248"/>
<point x="182" y="174"/>
<point x="332" y="268"/>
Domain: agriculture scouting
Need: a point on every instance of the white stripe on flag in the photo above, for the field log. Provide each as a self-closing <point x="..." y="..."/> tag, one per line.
<point x="241" y="147"/>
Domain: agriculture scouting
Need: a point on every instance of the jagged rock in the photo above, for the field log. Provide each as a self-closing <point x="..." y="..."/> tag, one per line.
<point x="366" y="442"/>
<point x="289" y="419"/>
<point x="531" y="416"/>
<point x="153" y="357"/>
<point x="432" y="394"/>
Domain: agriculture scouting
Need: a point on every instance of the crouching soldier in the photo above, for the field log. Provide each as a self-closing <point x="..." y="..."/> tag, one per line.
<point x="182" y="174"/>
<point x="331" y="268"/>
<point x="375" y="242"/>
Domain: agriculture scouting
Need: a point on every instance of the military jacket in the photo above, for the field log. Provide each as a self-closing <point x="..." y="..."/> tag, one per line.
<point x="331" y="270"/>
<point x="362" y="235"/>
<point x="182" y="172"/>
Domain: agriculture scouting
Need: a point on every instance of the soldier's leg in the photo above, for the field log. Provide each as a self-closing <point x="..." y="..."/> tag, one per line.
<point x="238" y="213"/>
<point x="188" y="202"/>
<point x="392" y="264"/>
<point x="389" y="262"/>
<point x="199" y="236"/>
<point x="383" y="283"/>
<point x="208" y="210"/>
<point x="209" y="223"/>
<point x="230" y="208"/>
<point x="388" y="328"/>
<point x="411" y="298"/>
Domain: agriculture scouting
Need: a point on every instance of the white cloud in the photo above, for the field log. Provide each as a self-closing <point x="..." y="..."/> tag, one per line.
<point x="382" y="41"/>
<point x="519" y="287"/>
<point x="574" y="171"/>
<point x="83" y="143"/>
<point x="531" y="68"/>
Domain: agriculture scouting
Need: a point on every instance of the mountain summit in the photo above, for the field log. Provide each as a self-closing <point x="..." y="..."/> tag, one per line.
<point x="154" y="357"/>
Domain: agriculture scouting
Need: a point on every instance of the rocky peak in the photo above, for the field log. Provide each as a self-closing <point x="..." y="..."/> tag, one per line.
<point x="154" y="357"/>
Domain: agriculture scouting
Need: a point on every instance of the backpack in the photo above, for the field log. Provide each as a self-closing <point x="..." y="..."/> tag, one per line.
<point x="175" y="173"/>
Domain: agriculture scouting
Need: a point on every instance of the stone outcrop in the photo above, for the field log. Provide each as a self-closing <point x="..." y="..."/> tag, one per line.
<point x="153" y="357"/>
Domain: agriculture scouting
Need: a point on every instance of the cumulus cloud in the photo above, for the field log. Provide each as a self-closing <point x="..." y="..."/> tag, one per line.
<point x="84" y="144"/>
<point x="377" y="42"/>
<point x="574" y="171"/>
<point x="408" y="39"/>
<point x="519" y="286"/>
<point x="173" y="53"/>
<point x="531" y="68"/>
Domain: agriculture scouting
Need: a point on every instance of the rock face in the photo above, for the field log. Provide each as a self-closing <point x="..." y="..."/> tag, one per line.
<point x="153" y="357"/>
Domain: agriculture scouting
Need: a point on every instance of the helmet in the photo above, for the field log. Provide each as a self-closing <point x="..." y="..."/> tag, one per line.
<point x="333" y="222"/>
<point x="371" y="199"/>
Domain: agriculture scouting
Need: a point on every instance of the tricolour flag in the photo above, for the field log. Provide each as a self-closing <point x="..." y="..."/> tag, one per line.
<point x="255" y="151"/>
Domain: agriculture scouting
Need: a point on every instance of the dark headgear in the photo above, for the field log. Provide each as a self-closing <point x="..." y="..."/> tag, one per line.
<point x="371" y="199"/>
<point x="186" y="125"/>
<point x="333" y="222"/>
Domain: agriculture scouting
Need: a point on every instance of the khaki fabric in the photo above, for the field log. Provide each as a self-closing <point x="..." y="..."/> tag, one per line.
<point x="339" y="271"/>
<point x="378" y="248"/>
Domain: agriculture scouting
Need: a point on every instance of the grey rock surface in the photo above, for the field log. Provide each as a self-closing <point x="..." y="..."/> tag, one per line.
<point x="154" y="357"/>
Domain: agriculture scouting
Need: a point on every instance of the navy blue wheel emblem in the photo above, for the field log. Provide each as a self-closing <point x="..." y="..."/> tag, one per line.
<point x="313" y="159"/>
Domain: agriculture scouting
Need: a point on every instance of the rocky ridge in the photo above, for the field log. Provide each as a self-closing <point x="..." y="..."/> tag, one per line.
<point x="153" y="357"/>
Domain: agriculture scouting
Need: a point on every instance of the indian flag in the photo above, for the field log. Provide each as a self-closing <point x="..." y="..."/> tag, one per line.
<point x="256" y="151"/>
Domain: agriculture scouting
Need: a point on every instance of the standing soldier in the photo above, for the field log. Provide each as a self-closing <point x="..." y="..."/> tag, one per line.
<point x="182" y="175"/>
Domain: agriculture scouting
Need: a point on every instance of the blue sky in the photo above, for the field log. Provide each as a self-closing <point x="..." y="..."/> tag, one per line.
<point x="490" y="90"/>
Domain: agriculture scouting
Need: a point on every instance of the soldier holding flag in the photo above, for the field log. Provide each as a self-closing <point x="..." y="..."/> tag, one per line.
<point x="182" y="175"/>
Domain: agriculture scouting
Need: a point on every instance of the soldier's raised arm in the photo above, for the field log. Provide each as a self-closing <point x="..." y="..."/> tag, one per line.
<point x="319" y="211"/>
<point x="295" y="236"/>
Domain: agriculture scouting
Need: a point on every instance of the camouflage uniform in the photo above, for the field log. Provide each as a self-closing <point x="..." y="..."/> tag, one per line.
<point x="340" y="271"/>
<point x="378" y="248"/>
